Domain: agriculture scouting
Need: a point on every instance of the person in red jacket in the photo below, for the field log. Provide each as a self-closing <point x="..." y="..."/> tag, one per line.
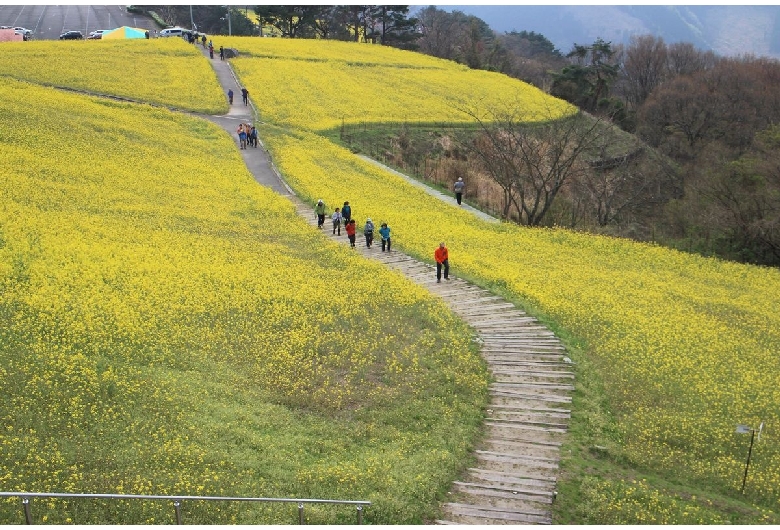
<point x="442" y="257"/>
<point x="350" y="228"/>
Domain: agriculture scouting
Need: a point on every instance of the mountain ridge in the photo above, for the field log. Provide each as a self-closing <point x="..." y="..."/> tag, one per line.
<point x="726" y="30"/>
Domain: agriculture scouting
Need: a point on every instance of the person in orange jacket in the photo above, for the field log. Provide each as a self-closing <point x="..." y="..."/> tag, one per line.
<point x="442" y="257"/>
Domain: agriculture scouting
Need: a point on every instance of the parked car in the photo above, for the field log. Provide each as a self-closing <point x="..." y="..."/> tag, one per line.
<point x="71" y="35"/>
<point x="97" y="34"/>
<point x="23" y="31"/>
<point x="172" y="32"/>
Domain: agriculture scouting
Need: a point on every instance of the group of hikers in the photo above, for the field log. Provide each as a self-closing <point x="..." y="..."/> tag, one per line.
<point x="343" y="216"/>
<point x="247" y="135"/>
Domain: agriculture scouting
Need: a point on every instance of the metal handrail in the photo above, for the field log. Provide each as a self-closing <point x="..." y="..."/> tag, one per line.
<point x="177" y="499"/>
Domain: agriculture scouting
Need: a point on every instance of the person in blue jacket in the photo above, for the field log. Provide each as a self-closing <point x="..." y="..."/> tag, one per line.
<point x="384" y="231"/>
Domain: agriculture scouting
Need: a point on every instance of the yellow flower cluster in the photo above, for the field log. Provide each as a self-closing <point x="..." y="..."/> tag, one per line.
<point x="149" y="286"/>
<point x="637" y="502"/>
<point x="321" y="84"/>
<point x="167" y="72"/>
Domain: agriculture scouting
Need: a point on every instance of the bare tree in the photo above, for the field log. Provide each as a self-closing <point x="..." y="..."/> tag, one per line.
<point x="618" y="187"/>
<point x="441" y="33"/>
<point x="531" y="162"/>
<point x="684" y="59"/>
<point x="644" y="67"/>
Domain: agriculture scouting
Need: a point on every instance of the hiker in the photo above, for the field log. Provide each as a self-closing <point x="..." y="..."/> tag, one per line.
<point x="245" y="94"/>
<point x="211" y="50"/>
<point x="203" y="40"/>
<point x="442" y="257"/>
<point x="221" y="53"/>
<point x="385" y="233"/>
<point x="350" y="228"/>
<point x="346" y="212"/>
<point x="336" y="218"/>
<point x="319" y="211"/>
<point x="230" y="95"/>
<point x="241" y="136"/>
<point x="459" y="185"/>
<point x="368" y="231"/>
<point x="253" y="136"/>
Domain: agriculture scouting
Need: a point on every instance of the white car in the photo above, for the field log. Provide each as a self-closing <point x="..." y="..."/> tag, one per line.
<point x="98" y="33"/>
<point x="172" y="32"/>
<point x="23" y="31"/>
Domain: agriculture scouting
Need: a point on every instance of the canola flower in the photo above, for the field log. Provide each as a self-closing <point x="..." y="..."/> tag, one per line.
<point x="319" y="85"/>
<point x="166" y="72"/>
<point x="162" y="314"/>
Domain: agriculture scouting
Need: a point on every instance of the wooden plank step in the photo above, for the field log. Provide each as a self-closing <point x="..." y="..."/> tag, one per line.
<point x="513" y="446"/>
<point x="518" y="339"/>
<point x="517" y="315"/>
<point x="527" y="407"/>
<point x="476" y="300"/>
<point x="524" y="428"/>
<point x="531" y="372"/>
<point x="498" y="306"/>
<point x="506" y="395"/>
<point x="531" y="461"/>
<point x="540" y="364"/>
<point x="504" y="477"/>
<point x="533" y="385"/>
<point x="527" y="421"/>
<point x="488" y="512"/>
<point x="539" y="330"/>
<point x="531" y="415"/>
<point x="525" y="352"/>
<point x="531" y="493"/>
<point x="523" y="434"/>
<point x="498" y="499"/>
<point x="521" y="341"/>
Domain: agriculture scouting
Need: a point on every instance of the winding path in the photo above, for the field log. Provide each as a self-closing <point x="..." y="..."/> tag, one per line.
<point x="516" y="463"/>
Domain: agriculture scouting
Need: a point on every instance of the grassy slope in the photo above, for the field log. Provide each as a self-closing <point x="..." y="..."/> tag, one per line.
<point x="149" y="345"/>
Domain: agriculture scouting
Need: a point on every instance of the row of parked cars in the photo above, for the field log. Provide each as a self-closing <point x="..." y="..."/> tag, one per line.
<point x="77" y="35"/>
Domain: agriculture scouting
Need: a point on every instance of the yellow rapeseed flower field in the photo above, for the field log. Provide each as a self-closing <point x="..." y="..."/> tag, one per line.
<point x="687" y="344"/>
<point x="319" y="85"/>
<point x="166" y="72"/>
<point x="170" y="327"/>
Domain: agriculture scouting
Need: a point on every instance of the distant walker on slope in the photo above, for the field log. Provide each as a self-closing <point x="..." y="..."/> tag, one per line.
<point x="459" y="185"/>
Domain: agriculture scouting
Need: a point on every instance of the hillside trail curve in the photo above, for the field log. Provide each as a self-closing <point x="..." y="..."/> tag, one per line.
<point x="513" y="480"/>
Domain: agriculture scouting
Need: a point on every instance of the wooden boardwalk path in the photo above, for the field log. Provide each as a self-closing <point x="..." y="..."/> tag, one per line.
<point x="517" y="461"/>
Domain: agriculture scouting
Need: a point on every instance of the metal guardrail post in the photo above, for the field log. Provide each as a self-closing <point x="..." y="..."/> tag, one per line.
<point x="27" y="513"/>
<point x="360" y="514"/>
<point x="177" y="509"/>
<point x="300" y="513"/>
